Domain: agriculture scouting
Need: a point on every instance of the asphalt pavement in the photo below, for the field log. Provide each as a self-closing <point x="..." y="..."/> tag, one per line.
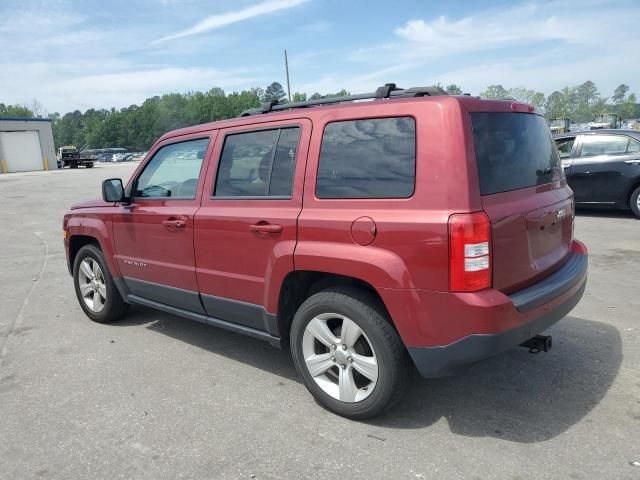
<point x="158" y="397"/>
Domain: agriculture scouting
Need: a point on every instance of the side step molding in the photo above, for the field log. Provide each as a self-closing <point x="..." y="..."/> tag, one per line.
<point x="216" y="322"/>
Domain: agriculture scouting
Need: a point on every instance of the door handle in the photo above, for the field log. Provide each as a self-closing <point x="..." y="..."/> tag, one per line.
<point x="265" y="228"/>
<point x="173" y="223"/>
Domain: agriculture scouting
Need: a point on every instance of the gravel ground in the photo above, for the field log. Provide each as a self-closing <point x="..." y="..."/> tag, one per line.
<point x="155" y="396"/>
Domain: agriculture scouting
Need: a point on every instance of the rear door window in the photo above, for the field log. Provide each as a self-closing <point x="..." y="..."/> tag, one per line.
<point x="594" y="145"/>
<point x="513" y="151"/>
<point x="370" y="158"/>
<point x="258" y="164"/>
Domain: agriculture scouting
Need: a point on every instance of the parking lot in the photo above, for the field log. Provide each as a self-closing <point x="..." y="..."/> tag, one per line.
<point x="156" y="396"/>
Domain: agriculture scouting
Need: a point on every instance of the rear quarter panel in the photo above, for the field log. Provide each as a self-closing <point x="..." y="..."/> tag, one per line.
<point x="410" y="249"/>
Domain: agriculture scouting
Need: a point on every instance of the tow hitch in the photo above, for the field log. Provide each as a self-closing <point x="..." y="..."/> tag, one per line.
<point x="537" y="344"/>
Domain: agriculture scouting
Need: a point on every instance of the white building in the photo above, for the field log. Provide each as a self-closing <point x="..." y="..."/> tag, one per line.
<point x="26" y="144"/>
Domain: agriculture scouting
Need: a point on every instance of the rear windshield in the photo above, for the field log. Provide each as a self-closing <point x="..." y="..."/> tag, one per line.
<point x="513" y="151"/>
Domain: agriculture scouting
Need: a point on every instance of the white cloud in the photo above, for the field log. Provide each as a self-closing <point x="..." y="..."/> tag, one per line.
<point x="61" y="87"/>
<point x="540" y="45"/>
<point x="214" y="22"/>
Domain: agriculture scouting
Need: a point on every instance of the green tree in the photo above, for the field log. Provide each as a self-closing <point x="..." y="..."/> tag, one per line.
<point x="274" y="92"/>
<point x="299" y="97"/>
<point x="494" y="92"/>
<point x="315" y="96"/>
<point x="453" y="89"/>
<point x="528" y="96"/>
<point x="555" y="106"/>
<point x="630" y="108"/>
<point x="20" y="111"/>
<point x="586" y="97"/>
<point x="620" y="93"/>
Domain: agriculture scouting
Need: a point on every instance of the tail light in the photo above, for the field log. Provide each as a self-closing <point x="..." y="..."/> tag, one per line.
<point x="469" y="252"/>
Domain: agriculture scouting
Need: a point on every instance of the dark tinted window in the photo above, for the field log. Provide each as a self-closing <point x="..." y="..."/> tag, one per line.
<point x="513" y="151"/>
<point x="594" y="145"/>
<point x="565" y="145"/>
<point x="258" y="164"/>
<point x="173" y="171"/>
<point x="373" y="158"/>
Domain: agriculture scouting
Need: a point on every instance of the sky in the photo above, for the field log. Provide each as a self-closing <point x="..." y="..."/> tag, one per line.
<point x="71" y="54"/>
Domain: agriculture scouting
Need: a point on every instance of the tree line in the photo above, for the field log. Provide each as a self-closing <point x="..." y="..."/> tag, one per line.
<point x="138" y="126"/>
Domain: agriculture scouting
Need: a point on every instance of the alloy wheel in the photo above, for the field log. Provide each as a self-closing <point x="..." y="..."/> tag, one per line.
<point x="339" y="357"/>
<point x="92" y="285"/>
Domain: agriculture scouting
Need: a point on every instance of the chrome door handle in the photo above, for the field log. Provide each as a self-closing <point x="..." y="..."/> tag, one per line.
<point x="265" y="228"/>
<point x="174" y="223"/>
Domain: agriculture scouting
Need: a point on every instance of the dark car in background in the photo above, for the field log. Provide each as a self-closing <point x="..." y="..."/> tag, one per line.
<point x="602" y="167"/>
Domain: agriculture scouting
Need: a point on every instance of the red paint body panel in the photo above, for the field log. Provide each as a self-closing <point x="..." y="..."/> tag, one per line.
<point x="404" y="256"/>
<point x="430" y="319"/>
<point x="235" y="262"/>
<point x="148" y="250"/>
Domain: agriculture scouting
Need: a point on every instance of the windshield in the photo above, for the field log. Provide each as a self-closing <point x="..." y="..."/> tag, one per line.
<point x="513" y="151"/>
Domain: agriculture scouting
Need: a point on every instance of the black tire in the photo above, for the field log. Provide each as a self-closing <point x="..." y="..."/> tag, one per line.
<point x="89" y="165"/>
<point x="114" y="306"/>
<point x="633" y="202"/>
<point x="365" y="310"/>
<point x="73" y="165"/>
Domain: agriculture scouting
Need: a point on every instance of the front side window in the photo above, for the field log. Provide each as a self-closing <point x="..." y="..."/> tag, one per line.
<point x="258" y="164"/>
<point x="594" y="145"/>
<point x="173" y="171"/>
<point x="564" y="147"/>
<point x="372" y="158"/>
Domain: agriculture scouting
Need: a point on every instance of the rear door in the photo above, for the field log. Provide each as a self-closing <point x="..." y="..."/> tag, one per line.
<point x="154" y="233"/>
<point x="525" y="195"/>
<point x="600" y="171"/>
<point x="246" y="230"/>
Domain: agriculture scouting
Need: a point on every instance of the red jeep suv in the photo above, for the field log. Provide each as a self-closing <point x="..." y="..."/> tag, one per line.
<point x="413" y="228"/>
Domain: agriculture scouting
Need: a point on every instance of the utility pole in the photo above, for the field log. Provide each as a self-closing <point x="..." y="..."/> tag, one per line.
<point x="286" y="67"/>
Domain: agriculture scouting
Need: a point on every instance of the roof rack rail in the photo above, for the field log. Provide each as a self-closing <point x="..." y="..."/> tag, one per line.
<point x="388" y="90"/>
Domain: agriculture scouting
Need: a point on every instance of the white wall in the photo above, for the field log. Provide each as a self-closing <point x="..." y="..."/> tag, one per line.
<point x="45" y="134"/>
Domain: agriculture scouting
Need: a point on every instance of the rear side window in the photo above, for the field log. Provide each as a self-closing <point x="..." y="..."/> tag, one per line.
<point x="513" y="151"/>
<point x="258" y="164"/>
<point x="372" y="158"/>
<point x="594" y="145"/>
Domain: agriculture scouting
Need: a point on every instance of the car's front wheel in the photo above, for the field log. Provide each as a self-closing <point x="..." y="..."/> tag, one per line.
<point x="634" y="202"/>
<point x="350" y="357"/>
<point x="96" y="292"/>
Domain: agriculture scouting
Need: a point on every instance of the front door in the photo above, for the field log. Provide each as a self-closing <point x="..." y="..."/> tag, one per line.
<point x="599" y="172"/>
<point x="246" y="229"/>
<point x="154" y="233"/>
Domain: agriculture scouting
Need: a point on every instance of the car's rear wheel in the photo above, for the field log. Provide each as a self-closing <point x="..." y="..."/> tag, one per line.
<point x="97" y="293"/>
<point x="350" y="357"/>
<point x="634" y="202"/>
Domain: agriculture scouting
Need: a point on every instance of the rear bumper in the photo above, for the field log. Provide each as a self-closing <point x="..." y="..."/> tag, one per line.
<point x="501" y="322"/>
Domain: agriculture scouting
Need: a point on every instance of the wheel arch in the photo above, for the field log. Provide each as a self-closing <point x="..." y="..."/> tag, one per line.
<point x="84" y="230"/>
<point x="76" y="242"/>
<point x="299" y="285"/>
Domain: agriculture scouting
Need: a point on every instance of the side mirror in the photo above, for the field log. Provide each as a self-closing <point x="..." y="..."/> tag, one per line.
<point x="112" y="190"/>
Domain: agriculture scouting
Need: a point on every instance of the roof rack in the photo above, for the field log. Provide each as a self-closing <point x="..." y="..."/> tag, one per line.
<point x="388" y="90"/>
